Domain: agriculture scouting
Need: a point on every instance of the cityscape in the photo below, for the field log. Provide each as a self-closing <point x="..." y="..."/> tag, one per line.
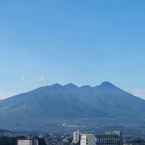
<point x="113" y="137"/>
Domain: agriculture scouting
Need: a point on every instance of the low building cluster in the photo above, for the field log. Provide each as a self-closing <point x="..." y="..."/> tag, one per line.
<point x="78" y="138"/>
<point x="108" y="138"/>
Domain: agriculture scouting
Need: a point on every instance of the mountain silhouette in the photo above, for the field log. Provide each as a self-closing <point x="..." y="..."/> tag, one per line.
<point x="55" y="103"/>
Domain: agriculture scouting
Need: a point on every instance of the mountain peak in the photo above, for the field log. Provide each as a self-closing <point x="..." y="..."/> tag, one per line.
<point x="107" y="84"/>
<point x="56" y="85"/>
<point x="86" y="87"/>
<point x="71" y="85"/>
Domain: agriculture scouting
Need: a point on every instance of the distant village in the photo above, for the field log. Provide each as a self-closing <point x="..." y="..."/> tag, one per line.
<point x="114" y="137"/>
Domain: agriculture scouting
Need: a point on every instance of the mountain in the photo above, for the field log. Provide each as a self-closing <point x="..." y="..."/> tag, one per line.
<point x="51" y="106"/>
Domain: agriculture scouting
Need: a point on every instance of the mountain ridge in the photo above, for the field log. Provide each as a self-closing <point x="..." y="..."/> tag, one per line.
<point x="70" y="102"/>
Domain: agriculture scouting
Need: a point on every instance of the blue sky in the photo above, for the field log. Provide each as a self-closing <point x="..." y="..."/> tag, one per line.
<point x="81" y="41"/>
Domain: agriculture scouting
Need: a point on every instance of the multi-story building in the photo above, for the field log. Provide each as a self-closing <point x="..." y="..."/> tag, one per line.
<point x="76" y="137"/>
<point x="24" y="142"/>
<point x="88" y="139"/>
<point x="27" y="142"/>
<point x="109" y="138"/>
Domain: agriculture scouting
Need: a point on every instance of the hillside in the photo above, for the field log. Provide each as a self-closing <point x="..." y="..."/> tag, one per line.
<point x="51" y="105"/>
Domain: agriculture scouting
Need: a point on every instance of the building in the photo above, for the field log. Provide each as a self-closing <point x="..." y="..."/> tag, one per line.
<point x="88" y="139"/>
<point x="24" y="142"/>
<point x="110" y="138"/>
<point x="27" y="142"/>
<point x="76" y="137"/>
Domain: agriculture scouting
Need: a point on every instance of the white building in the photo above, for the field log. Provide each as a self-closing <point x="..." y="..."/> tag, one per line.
<point x="24" y="142"/>
<point x="27" y="142"/>
<point x="88" y="139"/>
<point x="76" y="137"/>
